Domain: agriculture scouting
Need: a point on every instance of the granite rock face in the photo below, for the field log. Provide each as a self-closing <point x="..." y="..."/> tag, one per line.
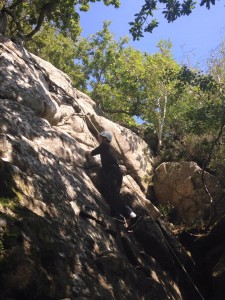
<point x="57" y="239"/>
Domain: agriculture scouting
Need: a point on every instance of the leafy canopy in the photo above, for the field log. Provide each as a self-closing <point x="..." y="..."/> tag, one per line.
<point x="26" y="17"/>
<point x="60" y="51"/>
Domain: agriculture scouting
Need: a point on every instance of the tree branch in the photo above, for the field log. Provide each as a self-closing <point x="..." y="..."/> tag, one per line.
<point x="14" y="17"/>
<point x="47" y="8"/>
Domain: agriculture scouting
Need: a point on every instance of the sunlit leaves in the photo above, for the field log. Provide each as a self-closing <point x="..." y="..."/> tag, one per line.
<point x="125" y="82"/>
<point x="60" y="51"/>
<point x="62" y="15"/>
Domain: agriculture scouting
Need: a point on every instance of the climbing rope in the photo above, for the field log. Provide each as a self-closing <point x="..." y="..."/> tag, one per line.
<point x="180" y="264"/>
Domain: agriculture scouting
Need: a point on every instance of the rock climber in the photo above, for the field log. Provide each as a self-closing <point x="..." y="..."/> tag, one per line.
<point x="112" y="179"/>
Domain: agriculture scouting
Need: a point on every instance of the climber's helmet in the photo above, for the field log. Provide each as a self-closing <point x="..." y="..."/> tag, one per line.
<point x="106" y="134"/>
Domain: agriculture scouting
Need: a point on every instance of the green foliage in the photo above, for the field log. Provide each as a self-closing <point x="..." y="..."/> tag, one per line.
<point x="126" y="82"/>
<point x="27" y="18"/>
<point x="5" y="201"/>
<point x="205" y="82"/>
<point x="10" y="198"/>
<point x="159" y="78"/>
<point x="173" y="100"/>
<point x="168" y="210"/>
<point x="107" y="64"/>
<point x="60" y="51"/>
<point x="171" y="9"/>
<point x="179" y="106"/>
<point x="182" y="108"/>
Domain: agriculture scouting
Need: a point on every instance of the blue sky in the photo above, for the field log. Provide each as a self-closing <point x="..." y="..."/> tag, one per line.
<point x="193" y="37"/>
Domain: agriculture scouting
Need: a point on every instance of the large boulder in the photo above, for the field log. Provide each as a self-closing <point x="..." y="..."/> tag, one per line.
<point x="180" y="185"/>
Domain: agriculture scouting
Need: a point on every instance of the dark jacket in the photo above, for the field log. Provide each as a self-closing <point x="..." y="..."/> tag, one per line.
<point x="108" y="159"/>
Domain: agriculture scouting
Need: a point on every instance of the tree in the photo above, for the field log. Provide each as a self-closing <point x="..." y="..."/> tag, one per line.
<point x="160" y="88"/>
<point x="126" y="82"/>
<point x="60" y="51"/>
<point x="114" y="74"/>
<point x="26" y="17"/>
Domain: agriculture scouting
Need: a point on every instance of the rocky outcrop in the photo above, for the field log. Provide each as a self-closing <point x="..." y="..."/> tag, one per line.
<point x="180" y="186"/>
<point x="57" y="239"/>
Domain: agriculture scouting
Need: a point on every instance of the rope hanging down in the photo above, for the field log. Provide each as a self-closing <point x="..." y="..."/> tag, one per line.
<point x="179" y="262"/>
